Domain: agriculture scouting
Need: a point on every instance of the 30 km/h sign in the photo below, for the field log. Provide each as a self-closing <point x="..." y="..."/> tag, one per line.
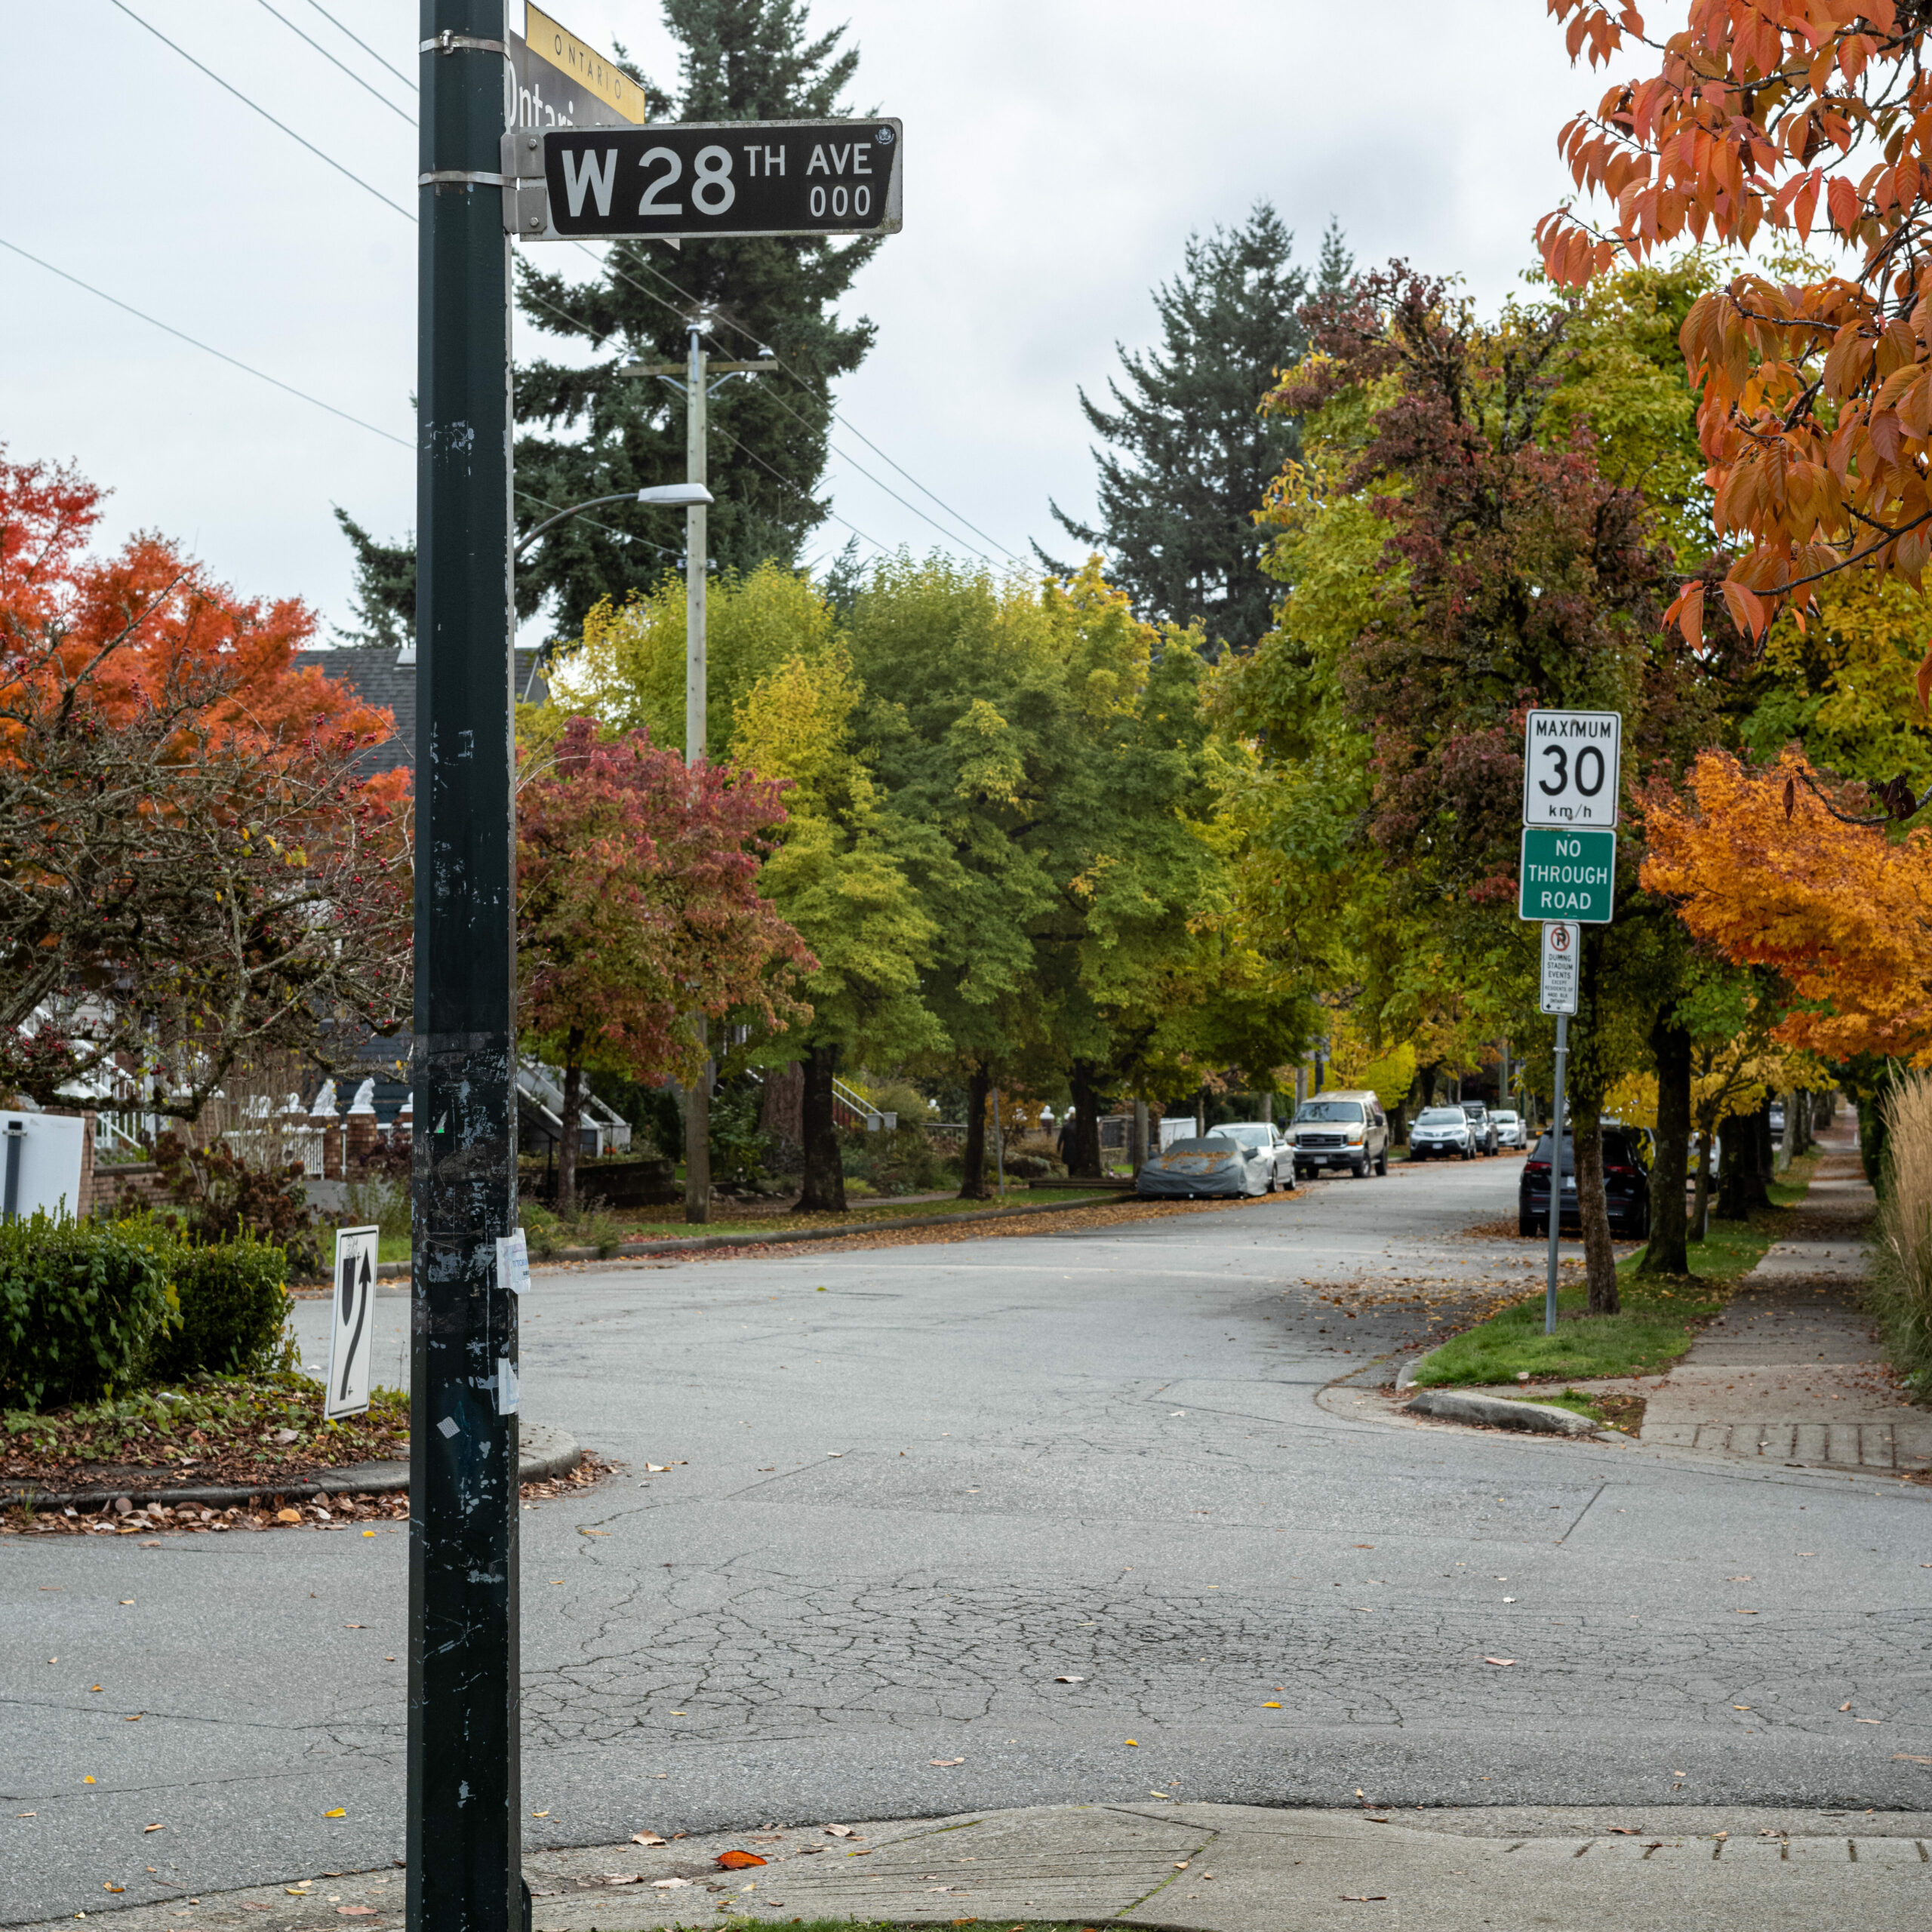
<point x="1567" y="875"/>
<point x="1562" y="960"/>
<point x="1571" y="761"/>
<point x="725" y="177"/>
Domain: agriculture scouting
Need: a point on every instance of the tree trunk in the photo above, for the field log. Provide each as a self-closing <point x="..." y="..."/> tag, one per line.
<point x="1700" y="1201"/>
<point x="573" y="1131"/>
<point x="1667" y="1253"/>
<point x="1136" y="1146"/>
<point x="973" y="1162"/>
<point x="824" y="1189"/>
<point x="1599" y="1259"/>
<point x="1426" y="1078"/>
<point x="1083" y="1157"/>
<point x="1740" y="1184"/>
<point x="1765" y="1148"/>
<point x="697" y="1138"/>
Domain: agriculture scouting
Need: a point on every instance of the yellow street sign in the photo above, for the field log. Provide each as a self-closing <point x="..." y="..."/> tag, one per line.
<point x="591" y="70"/>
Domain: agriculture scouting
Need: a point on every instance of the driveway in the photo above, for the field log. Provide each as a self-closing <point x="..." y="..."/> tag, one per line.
<point x="1061" y="1507"/>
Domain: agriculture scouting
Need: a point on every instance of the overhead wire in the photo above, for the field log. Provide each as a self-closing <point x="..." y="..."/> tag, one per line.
<point x="365" y="45"/>
<point x="334" y="62"/>
<point x="261" y="375"/>
<point x="281" y="126"/>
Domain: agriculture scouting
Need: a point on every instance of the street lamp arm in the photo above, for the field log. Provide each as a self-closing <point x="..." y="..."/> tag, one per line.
<point x="665" y="496"/>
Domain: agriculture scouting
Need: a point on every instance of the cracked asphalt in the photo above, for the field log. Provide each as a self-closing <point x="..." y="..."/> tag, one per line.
<point x="1060" y="1506"/>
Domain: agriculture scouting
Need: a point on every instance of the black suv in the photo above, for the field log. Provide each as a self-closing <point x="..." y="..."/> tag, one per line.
<point x="1483" y="1136"/>
<point x="1626" y="1185"/>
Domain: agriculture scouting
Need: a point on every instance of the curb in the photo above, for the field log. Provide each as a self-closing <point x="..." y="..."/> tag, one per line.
<point x="1498" y="1412"/>
<point x="549" y="1453"/>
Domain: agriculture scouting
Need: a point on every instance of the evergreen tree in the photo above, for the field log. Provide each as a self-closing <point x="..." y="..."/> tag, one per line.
<point x="740" y="60"/>
<point x="1192" y="455"/>
<point x="385" y="595"/>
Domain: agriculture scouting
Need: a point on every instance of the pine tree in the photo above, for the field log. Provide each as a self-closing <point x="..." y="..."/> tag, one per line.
<point x="740" y="60"/>
<point x="1191" y="456"/>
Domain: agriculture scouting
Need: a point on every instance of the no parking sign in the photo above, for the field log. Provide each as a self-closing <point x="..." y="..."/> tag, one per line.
<point x="352" y="1333"/>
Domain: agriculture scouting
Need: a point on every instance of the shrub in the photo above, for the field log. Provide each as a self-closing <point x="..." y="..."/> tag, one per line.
<point x="83" y="1305"/>
<point x="234" y="1300"/>
<point x="1901" y="1289"/>
<point x="223" y="1196"/>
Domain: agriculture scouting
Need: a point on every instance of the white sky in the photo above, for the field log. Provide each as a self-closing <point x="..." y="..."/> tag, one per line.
<point x="1058" y="153"/>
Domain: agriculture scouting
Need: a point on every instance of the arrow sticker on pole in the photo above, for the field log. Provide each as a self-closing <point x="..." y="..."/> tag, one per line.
<point x="351" y="1331"/>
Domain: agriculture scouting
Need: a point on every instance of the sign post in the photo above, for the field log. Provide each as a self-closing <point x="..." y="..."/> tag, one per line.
<point x="1567" y="878"/>
<point x="465" y="1814"/>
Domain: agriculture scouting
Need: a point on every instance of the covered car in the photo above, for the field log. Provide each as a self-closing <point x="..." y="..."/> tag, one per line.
<point x="1208" y="1166"/>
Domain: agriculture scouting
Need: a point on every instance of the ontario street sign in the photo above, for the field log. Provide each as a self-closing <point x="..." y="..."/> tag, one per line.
<point x="707" y="178"/>
<point x="1567" y="875"/>
<point x="1570" y="767"/>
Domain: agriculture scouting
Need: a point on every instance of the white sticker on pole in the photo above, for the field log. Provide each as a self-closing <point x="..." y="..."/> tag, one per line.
<point x="1571" y="767"/>
<point x="353" y="1327"/>
<point x="1562" y="954"/>
<point x="513" y="1262"/>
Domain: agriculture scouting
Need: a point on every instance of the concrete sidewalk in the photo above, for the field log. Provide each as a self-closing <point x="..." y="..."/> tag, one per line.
<point x="1792" y="1372"/>
<point x="1220" y="1867"/>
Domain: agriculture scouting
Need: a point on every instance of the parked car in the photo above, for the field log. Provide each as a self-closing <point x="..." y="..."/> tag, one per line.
<point x="1777" y="1120"/>
<point x="1343" y="1128"/>
<point x="1626" y="1185"/>
<point x="1510" y="1131"/>
<point x="1208" y="1166"/>
<point x="1262" y="1134"/>
<point x="1441" y="1133"/>
<point x="1482" y="1129"/>
<point x="1695" y="1148"/>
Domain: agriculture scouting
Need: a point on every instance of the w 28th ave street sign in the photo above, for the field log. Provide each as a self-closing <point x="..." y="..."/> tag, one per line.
<point x="706" y="178"/>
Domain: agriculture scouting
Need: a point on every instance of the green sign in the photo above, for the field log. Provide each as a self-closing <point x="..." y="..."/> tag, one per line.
<point x="1567" y="875"/>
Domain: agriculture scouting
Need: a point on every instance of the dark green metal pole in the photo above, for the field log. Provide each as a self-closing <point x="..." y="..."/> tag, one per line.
<point x="465" y="1801"/>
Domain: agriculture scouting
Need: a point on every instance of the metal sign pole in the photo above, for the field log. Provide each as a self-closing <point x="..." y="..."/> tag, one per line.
<point x="465" y="1839"/>
<point x="698" y="1099"/>
<point x="1556" y="1172"/>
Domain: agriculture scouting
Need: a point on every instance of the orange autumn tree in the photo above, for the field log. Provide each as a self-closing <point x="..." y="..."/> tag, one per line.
<point x="1803" y="120"/>
<point x="192" y="870"/>
<point x="1771" y="868"/>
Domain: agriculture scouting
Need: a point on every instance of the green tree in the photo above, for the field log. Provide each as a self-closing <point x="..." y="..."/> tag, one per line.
<point x="1191" y="454"/>
<point x="837" y="877"/>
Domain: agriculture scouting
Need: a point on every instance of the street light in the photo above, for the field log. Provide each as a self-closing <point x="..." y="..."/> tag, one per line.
<point x="659" y="496"/>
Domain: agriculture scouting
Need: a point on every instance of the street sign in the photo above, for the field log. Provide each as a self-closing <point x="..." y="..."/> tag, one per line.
<point x="1562" y="956"/>
<point x="352" y="1333"/>
<point x="553" y="79"/>
<point x="1571" y="761"/>
<point x="717" y="177"/>
<point x="1567" y="875"/>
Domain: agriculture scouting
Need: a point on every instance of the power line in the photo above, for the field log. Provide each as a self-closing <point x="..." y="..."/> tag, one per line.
<point x="334" y="63"/>
<point x="838" y="414"/>
<point x="257" y="108"/>
<point x="207" y="348"/>
<point x="365" y="45"/>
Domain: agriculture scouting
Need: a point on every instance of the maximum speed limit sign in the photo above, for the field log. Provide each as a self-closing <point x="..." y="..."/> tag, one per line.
<point x="1570" y="761"/>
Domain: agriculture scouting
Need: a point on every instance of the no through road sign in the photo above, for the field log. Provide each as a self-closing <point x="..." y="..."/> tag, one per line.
<point x="1567" y="875"/>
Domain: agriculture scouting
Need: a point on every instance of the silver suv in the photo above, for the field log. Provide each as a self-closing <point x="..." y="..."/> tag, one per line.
<point x="1482" y="1129"/>
<point x="1345" y="1127"/>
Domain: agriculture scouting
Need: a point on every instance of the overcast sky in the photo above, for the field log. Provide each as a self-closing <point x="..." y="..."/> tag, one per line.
<point x="1058" y="153"/>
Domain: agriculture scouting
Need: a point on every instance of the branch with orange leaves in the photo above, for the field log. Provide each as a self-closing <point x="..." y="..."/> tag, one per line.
<point x="1764" y="873"/>
<point x="1816" y="406"/>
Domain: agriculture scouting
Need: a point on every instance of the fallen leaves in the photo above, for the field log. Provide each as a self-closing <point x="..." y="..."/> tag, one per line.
<point x="1502" y="1663"/>
<point x="1272" y="1705"/>
<point x="669" y="1884"/>
<point x="355" y="1912"/>
<point x="942" y="1762"/>
<point x="1906" y="1758"/>
<point x="737" y="1861"/>
<point x="1070" y="1680"/>
<point x="845" y="1831"/>
<point x="154" y="1828"/>
<point x="646" y="1837"/>
<point x="340" y="1811"/>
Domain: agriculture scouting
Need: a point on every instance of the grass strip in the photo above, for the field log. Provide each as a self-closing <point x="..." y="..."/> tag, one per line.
<point x="1660" y="1318"/>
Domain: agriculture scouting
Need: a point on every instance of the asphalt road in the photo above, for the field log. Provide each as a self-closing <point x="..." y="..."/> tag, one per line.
<point x="1115" y="1471"/>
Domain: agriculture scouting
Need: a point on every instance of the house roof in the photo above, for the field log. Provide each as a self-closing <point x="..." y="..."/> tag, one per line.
<point x="387" y="677"/>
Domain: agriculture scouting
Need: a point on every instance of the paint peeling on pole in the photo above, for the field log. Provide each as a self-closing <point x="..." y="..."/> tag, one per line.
<point x="464" y="1828"/>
